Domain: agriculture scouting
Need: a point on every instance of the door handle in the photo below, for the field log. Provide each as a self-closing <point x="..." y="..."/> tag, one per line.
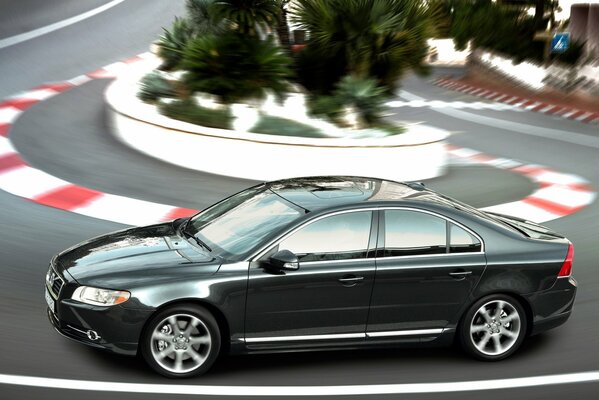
<point x="351" y="280"/>
<point x="460" y="274"/>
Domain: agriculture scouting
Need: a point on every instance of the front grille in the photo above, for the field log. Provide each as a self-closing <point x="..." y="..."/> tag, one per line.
<point x="54" y="282"/>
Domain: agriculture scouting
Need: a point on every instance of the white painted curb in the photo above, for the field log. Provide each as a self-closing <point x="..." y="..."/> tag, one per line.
<point x="417" y="154"/>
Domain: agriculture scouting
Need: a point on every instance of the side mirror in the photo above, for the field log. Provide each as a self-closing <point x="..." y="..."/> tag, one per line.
<point x="284" y="260"/>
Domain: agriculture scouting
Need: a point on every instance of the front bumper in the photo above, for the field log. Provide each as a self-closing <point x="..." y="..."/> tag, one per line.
<point x="551" y="308"/>
<point x="118" y="328"/>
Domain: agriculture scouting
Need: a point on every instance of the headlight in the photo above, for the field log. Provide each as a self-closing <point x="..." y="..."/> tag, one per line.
<point x="100" y="297"/>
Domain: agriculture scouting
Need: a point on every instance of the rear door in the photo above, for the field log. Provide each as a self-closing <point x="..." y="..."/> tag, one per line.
<point x="426" y="267"/>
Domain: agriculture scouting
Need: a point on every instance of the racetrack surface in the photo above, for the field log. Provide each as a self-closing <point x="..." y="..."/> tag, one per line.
<point x="67" y="136"/>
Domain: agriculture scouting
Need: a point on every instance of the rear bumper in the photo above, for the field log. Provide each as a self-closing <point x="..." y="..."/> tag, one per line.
<point x="552" y="307"/>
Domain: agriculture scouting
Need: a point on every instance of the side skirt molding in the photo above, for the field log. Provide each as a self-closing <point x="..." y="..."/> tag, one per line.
<point x="412" y="332"/>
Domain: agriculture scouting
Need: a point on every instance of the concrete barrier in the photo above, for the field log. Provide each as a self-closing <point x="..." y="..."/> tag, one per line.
<point x="417" y="154"/>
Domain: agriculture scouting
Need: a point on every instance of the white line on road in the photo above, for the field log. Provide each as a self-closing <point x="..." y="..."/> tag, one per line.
<point x="10" y="41"/>
<point x="547" y="133"/>
<point x="341" y="390"/>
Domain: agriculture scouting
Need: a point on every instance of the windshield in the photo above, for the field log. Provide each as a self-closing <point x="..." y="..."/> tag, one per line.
<point x="238" y="224"/>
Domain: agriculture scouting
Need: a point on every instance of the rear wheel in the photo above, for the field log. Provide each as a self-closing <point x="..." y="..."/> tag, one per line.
<point x="181" y="341"/>
<point x="493" y="328"/>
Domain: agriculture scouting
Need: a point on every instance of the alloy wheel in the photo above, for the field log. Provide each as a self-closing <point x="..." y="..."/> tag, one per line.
<point x="495" y="327"/>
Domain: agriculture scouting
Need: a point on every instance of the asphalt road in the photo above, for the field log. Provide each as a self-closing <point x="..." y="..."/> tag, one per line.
<point x="77" y="147"/>
<point x="18" y="17"/>
<point x="118" y="33"/>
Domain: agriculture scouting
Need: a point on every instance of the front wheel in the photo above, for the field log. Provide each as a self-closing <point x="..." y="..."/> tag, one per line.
<point x="181" y="341"/>
<point x="493" y="328"/>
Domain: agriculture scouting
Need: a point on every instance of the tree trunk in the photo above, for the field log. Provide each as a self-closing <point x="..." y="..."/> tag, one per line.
<point x="283" y="29"/>
<point x="539" y="14"/>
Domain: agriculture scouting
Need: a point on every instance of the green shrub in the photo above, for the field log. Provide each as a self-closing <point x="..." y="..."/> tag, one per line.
<point x="154" y="86"/>
<point x="235" y="68"/>
<point x="172" y="43"/>
<point x="285" y="127"/>
<point x="330" y="107"/>
<point x="364" y="95"/>
<point x="504" y="28"/>
<point x="189" y="111"/>
<point x="389" y="127"/>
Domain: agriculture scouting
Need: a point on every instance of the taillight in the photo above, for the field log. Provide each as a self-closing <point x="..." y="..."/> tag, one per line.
<point x="566" y="269"/>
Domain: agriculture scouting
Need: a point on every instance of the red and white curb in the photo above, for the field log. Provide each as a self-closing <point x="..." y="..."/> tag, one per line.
<point x="19" y="178"/>
<point x="558" y="195"/>
<point x="521" y="102"/>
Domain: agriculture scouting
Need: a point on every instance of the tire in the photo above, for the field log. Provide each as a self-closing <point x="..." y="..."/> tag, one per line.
<point x="181" y="341"/>
<point x="493" y="327"/>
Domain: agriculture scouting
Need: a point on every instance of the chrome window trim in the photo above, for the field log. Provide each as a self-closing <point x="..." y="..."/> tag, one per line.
<point x="473" y="253"/>
<point x="410" y="332"/>
<point x="258" y="254"/>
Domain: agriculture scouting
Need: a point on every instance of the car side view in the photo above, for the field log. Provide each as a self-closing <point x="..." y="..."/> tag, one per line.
<point x="311" y="263"/>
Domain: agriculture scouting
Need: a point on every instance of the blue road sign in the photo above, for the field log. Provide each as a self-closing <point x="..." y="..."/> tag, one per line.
<point x="560" y="42"/>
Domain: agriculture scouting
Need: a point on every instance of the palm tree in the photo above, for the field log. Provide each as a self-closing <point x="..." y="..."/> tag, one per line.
<point x="202" y="18"/>
<point x="247" y="15"/>
<point x="378" y="38"/>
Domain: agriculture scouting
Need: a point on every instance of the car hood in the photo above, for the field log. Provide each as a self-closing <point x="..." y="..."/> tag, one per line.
<point x="136" y="254"/>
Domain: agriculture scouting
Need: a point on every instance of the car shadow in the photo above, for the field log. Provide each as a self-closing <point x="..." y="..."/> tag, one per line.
<point x="390" y="365"/>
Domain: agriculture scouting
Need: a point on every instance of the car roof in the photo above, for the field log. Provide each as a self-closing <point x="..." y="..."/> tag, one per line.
<point x="314" y="193"/>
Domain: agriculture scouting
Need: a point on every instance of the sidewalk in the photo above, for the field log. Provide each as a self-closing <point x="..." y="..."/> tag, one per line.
<point x="492" y="86"/>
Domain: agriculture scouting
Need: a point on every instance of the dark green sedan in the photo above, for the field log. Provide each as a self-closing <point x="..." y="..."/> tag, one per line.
<point x="314" y="263"/>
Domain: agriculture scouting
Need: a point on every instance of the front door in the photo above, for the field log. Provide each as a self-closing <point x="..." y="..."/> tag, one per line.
<point x="327" y="298"/>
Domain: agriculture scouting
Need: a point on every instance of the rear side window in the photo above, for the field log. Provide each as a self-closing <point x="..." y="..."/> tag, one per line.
<point x="461" y="241"/>
<point x="409" y="233"/>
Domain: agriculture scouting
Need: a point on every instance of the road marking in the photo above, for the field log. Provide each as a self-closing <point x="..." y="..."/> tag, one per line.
<point x="532" y="130"/>
<point x="22" y="37"/>
<point x="20" y="179"/>
<point x="584" y="116"/>
<point x="558" y="194"/>
<point x="341" y="390"/>
<point x="557" y="110"/>
<point x="476" y="105"/>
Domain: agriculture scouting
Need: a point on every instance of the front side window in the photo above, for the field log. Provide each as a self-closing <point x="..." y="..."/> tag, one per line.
<point x="410" y="233"/>
<point x="338" y="237"/>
